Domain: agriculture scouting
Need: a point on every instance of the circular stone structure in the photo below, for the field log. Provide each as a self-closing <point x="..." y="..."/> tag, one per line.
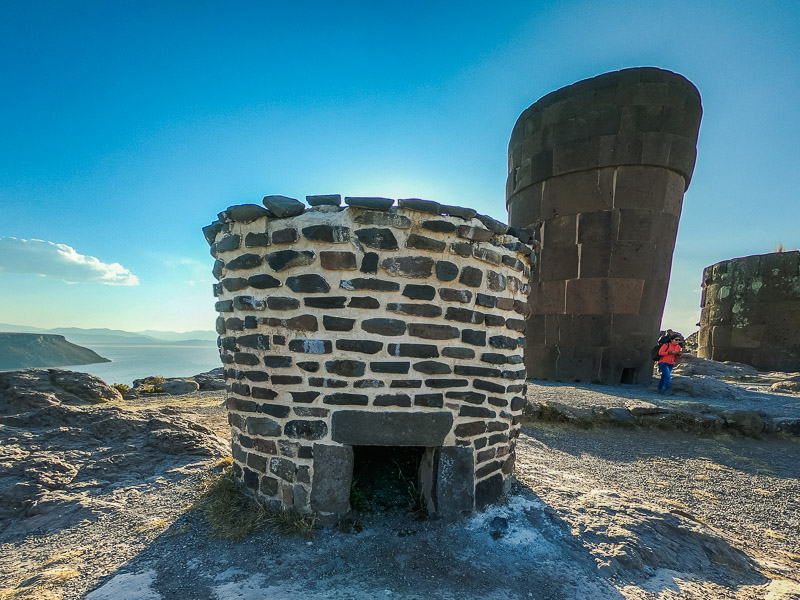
<point x="370" y="326"/>
<point x="599" y="169"/>
<point x="751" y="311"/>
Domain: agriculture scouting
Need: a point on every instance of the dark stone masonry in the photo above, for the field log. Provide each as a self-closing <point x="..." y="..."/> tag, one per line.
<point x="751" y="311"/>
<point x="367" y="326"/>
<point x="597" y="172"/>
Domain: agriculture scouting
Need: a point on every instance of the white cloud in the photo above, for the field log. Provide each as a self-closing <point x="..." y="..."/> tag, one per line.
<point x="59" y="261"/>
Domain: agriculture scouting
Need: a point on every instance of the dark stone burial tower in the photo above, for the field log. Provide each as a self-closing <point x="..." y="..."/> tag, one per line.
<point x="599" y="168"/>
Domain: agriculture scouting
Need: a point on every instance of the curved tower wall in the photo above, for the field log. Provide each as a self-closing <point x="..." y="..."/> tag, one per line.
<point x="599" y="169"/>
<point x="751" y="311"/>
<point x="345" y="327"/>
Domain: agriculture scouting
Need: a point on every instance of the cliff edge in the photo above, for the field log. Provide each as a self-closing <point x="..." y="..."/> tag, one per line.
<point x="25" y="350"/>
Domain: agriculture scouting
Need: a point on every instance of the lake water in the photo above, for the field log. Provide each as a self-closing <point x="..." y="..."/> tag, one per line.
<point x="137" y="362"/>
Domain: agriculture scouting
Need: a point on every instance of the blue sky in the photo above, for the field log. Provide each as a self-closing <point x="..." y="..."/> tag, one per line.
<point x="127" y="126"/>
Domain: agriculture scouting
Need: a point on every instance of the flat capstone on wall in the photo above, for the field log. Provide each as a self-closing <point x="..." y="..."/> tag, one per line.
<point x="370" y="325"/>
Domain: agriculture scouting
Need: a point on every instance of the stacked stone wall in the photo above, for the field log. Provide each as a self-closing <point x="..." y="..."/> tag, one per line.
<point x="751" y="311"/>
<point x="370" y="325"/>
<point x="599" y="170"/>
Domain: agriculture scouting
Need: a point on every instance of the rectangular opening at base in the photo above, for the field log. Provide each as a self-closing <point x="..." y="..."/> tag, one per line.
<point x="628" y="376"/>
<point x="388" y="478"/>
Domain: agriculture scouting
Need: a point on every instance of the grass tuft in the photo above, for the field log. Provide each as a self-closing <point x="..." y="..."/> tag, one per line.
<point x="233" y="516"/>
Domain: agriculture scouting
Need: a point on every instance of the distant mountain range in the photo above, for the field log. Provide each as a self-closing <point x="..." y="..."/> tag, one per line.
<point x="118" y="337"/>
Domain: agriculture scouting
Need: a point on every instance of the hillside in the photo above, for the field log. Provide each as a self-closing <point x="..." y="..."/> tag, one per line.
<point x="25" y="350"/>
<point x="97" y="336"/>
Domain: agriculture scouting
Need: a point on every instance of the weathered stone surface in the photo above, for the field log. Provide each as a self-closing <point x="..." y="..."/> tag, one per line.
<point x="362" y="346"/>
<point x="421" y="242"/>
<point x="210" y="231"/>
<point x="485" y="300"/>
<point x="285" y="379"/>
<point x="433" y="332"/>
<point x="388" y="327"/>
<point x="234" y="284"/>
<point x="299" y="323"/>
<point x="477" y="412"/>
<point x="326" y="302"/>
<point x="304" y="397"/>
<point x="369" y="264"/>
<point x="488" y="386"/>
<point x="469" y="429"/>
<point x="244" y="213"/>
<point x="416" y="267"/>
<point x="389" y="367"/>
<point x="492" y="225"/>
<point x="494" y="358"/>
<point x="338" y="261"/>
<point x="263" y="393"/>
<point x="470" y="371"/>
<point x="461" y="248"/>
<point x="488" y="491"/>
<point x="345" y="368"/>
<point x="429" y="400"/>
<point x="324" y="200"/>
<point x="494" y="321"/>
<point x="234" y="323"/>
<point x="383" y="219"/>
<point x="278" y="361"/>
<point x="414" y="350"/>
<point x="471" y="277"/>
<point x="307" y="346"/>
<point x="426" y="206"/>
<point x="286" y="259"/>
<point x="419" y="292"/>
<point x="486" y="255"/>
<point x="503" y="342"/>
<point x="227" y="243"/>
<point x="310" y="283"/>
<point x="446" y="271"/>
<point x="392" y="400"/>
<point x="330" y="489"/>
<point x="364" y="302"/>
<point x="463" y="315"/>
<point x="245" y="358"/>
<point x="378" y="238"/>
<point x="263" y="282"/>
<point x="248" y="303"/>
<point x="281" y="303"/>
<point x="451" y="295"/>
<point x="309" y="366"/>
<point x="306" y="430"/>
<point x="216" y="271"/>
<point x="439" y="226"/>
<point x="344" y="398"/>
<point x="244" y="261"/>
<point x="256" y="340"/>
<point x="262" y="426"/>
<point x="432" y="367"/>
<point x="406" y="383"/>
<point x="458" y="211"/>
<point x="459" y="352"/>
<point x="285" y="236"/>
<point x="471" y="397"/>
<point x="454" y="481"/>
<point x="283" y="206"/>
<point x="359" y="428"/>
<point x="374" y="285"/>
<point x="382" y="204"/>
<point x="369" y="383"/>
<point x="474" y="234"/>
<point x="417" y="310"/>
<point x="326" y="233"/>
<point x="337" y="323"/>
<point x="475" y="337"/>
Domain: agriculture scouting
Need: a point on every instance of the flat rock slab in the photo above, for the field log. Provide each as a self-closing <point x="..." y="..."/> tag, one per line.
<point x="359" y="428"/>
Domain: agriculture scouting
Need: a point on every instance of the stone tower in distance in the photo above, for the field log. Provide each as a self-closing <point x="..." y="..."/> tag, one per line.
<point x="599" y="168"/>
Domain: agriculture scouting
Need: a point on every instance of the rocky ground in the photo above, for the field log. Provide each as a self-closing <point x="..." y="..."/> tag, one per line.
<point x="94" y="492"/>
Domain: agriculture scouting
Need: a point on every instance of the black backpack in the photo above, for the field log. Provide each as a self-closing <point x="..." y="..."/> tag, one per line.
<point x="654" y="352"/>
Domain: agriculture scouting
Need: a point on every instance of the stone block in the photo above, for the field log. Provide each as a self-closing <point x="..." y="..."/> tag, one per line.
<point x="454" y="481"/>
<point x="333" y="472"/>
<point x="558" y="263"/>
<point x="387" y="428"/>
<point x="603" y="296"/>
<point x="575" y="193"/>
<point x="632" y="260"/>
<point x="560" y="231"/>
<point x="488" y="491"/>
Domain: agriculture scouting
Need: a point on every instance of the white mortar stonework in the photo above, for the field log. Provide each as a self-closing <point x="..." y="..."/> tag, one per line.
<point x="392" y="328"/>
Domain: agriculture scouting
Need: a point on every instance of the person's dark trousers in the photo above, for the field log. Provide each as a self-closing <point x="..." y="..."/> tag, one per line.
<point x="666" y="376"/>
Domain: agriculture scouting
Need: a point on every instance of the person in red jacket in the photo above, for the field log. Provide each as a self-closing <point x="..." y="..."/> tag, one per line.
<point x="668" y="352"/>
